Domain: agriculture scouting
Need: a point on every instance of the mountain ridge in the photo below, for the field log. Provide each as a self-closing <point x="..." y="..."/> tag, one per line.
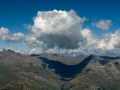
<point x="53" y="72"/>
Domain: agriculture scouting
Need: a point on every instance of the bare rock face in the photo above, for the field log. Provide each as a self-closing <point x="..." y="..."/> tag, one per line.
<point x="53" y="72"/>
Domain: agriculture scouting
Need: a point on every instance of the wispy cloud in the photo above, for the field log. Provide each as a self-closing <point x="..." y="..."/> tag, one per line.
<point x="102" y="24"/>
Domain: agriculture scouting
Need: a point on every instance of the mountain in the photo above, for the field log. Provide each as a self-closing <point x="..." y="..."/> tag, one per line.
<point x="53" y="72"/>
<point x="64" y="59"/>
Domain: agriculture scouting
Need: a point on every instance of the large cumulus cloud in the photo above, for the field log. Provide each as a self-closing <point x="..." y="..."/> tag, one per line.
<point x="60" y="31"/>
<point x="56" y="28"/>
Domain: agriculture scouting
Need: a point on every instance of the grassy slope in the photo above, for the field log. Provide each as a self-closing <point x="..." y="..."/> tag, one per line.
<point x="28" y="77"/>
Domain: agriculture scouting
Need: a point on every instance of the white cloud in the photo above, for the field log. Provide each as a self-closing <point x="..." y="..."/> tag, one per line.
<point x="103" y="24"/>
<point x="3" y="31"/>
<point x="86" y="32"/>
<point x="30" y="51"/>
<point x="57" y="27"/>
<point x="5" y="35"/>
<point x="110" y="41"/>
<point x="56" y="22"/>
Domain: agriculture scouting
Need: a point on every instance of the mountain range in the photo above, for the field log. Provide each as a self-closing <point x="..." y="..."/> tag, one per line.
<point x="52" y="72"/>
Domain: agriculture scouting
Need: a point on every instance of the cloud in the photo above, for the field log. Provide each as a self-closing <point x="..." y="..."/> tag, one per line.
<point x="27" y="26"/>
<point x="56" y="28"/>
<point x="90" y="38"/>
<point x="5" y="35"/>
<point x="103" y="24"/>
<point x="1" y="50"/>
<point x="110" y="41"/>
<point x="90" y="44"/>
<point x="32" y="41"/>
<point x="61" y="32"/>
<point x="30" y="51"/>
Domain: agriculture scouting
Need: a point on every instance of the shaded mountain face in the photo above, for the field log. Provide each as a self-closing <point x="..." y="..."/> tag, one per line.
<point x="52" y="72"/>
<point x="64" y="70"/>
<point x="110" y="58"/>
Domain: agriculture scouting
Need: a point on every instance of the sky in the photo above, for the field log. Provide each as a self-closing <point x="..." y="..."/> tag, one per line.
<point x="60" y="26"/>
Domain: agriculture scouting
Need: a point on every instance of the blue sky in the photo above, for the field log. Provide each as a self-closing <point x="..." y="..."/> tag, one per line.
<point x="17" y="15"/>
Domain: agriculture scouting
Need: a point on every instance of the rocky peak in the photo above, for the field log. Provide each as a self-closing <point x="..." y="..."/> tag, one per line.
<point x="92" y="56"/>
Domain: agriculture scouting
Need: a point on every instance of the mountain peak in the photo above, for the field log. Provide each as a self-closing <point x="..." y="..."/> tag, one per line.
<point x="8" y="50"/>
<point x="92" y="56"/>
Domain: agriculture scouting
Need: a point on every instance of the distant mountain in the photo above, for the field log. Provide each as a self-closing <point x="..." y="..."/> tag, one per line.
<point x="53" y="72"/>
